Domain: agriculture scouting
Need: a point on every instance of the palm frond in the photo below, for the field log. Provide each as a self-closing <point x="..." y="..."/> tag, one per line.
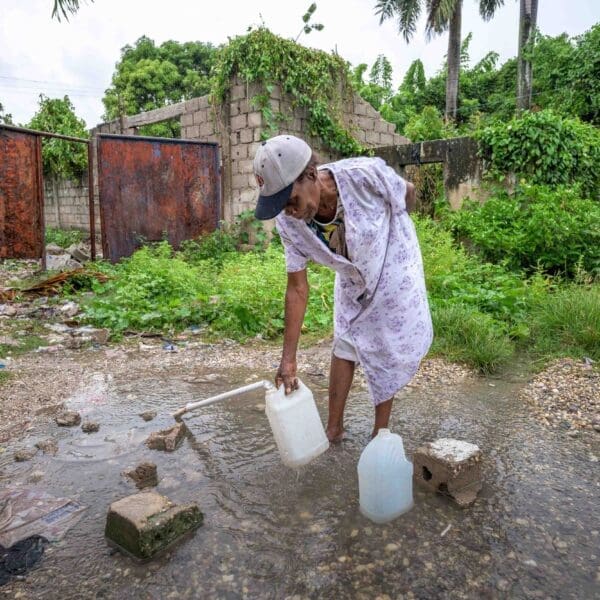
<point x="487" y="8"/>
<point x="405" y="11"/>
<point x="65" y="7"/>
<point x="439" y="13"/>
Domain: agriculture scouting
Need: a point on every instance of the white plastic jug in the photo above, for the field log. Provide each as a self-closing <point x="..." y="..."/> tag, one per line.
<point x="296" y="425"/>
<point x="384" y="478"/>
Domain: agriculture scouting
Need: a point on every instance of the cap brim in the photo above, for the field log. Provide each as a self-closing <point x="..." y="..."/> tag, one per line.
<point x="268" y="207"/>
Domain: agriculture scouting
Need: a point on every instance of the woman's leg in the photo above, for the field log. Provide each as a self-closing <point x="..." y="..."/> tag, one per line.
<point x="382" y="416"/>
<point x="340" y="381"/>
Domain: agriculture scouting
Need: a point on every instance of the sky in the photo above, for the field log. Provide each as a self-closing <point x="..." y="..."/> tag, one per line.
<point x="40" y="55"/>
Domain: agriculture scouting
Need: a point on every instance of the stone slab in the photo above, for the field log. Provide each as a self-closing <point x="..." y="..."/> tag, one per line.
<point x="147" y="523"/>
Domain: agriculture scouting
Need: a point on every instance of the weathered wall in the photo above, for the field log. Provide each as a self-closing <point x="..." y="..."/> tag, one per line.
<point x="66" y="204"/>
<point x="462" y="167"/>
<point x="238" y="127"/>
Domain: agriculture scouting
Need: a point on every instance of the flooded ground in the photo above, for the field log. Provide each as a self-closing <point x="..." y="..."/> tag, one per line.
<point x="271" y="532"/>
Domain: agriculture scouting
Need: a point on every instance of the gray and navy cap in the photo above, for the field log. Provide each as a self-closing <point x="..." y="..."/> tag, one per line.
<point x="278" y="163"/>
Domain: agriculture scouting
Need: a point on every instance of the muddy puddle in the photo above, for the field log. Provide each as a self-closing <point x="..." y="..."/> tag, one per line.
<point x="271" y="532"/>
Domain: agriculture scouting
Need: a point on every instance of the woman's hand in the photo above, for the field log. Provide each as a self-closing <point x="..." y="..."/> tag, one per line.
<point x="286" y="375"/>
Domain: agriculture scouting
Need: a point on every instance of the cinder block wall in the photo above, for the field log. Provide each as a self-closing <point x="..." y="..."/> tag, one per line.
<point x="66" y="205"/>
<point x="237" y="126"/>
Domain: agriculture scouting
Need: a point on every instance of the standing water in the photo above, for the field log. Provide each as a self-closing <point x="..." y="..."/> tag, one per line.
<point x="272" y="532"/>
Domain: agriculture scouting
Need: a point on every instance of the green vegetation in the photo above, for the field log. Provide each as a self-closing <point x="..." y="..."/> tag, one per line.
<point x="61" y="158"/>
<point x="63" y="237"/>
<point x="483" y="313"/>
<point x="315" y="80"/>
<point x="545" y="149"/>
<point x="553" y="230"/>
<point x="149" y="76"/>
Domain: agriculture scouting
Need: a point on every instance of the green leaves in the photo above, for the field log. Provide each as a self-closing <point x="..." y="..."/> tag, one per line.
<point x="317" y="81"/>
<point x="61" y="158"/>
<point x="544" y="148"/>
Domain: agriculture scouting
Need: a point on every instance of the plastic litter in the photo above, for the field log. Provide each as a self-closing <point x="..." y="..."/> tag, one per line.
<point x="28" y="512"/>
<point x="21" y="557"/>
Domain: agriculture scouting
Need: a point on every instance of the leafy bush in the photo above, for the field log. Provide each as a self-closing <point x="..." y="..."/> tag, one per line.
<point x="554" y="230"/>
<point x="61" y="158"/>
<point x="63" y="237"/>
<point x="544" y="148"/>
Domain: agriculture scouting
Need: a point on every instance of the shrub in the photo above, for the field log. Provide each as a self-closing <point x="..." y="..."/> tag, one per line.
<point x="63" y="237"/>
<point x="544" y="148"/>
<point x="536" y="228"/>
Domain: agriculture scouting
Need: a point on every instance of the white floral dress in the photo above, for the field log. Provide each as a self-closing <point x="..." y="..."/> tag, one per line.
<point x="380" y="301"/>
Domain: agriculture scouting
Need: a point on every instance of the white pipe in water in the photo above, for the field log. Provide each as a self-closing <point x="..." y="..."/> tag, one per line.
<point x="264" y="384"/>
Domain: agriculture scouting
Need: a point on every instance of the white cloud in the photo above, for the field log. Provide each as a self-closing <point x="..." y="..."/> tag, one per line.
<point x="78" y="58"/>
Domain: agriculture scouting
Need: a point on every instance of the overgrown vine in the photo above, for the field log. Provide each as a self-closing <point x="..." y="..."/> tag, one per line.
<point x="316" y="81"/>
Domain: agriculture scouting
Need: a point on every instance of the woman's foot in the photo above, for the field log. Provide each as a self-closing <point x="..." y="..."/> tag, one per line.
<point x="335" y="434"/>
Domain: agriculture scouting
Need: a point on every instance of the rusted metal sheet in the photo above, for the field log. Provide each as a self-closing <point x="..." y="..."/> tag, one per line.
<point x="154" y="189"/>
<point x="21" y="196"/>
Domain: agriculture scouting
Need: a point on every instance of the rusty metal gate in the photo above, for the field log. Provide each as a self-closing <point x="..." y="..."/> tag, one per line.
<point x="156" y="188"/>
<point x="21" y="195"/>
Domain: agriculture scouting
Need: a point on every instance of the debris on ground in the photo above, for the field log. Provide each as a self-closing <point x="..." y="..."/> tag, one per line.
<point x="68" y="418"/>
<point x="48" y="446"/>
<point x="27" y="512"/>
<point x="146" y="523"/>
<point x="167" y="439"/>
<point x="148" y="415"/>
<point x="20" y="558"/>
<point x="90" y="427"/>
<point x="25" y="454"/>
<point x="566" y="395"/>
<point x="144" y="475"/>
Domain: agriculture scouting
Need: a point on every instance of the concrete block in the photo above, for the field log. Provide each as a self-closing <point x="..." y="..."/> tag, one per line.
<point x="200" y="116"/>
<point x="144" y="475"/>
<point x="381" y="126"/>
<point x="239" y="122"/>
<point x="451" y="467"/>
<point x="207" y="129"/>
<point x="240" y="151"/>
<point x="193" y="133"/>
<point x="246" y="136"/>
<point x="257" y="135"/>
<point x="238" y="92"/>
<point x="187" y="119"/>
<point x="387" y="139"/>
<point x="373" y="138"/>
<point x="203" y="102"/>
<point x="366" y="123"/>
<point x="144" y="524"/>
<point x="254" y="119"/>
<point x="192" y="105"/>
<point x="245" y="166"/>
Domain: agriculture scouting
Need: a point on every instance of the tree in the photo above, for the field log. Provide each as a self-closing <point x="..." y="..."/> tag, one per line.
<point x="61" y="158"/>
<point x="527" y="24"/>
<point x="5" y="118"/>
<point x="442" y="15"/>
<point x="65" y="7"/>
<point x="149" y="76"/>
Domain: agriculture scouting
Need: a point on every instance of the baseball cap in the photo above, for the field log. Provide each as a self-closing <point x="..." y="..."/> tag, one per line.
<point x="278" y="163"/>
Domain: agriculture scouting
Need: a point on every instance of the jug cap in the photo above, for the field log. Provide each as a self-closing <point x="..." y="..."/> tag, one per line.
<point x="384" y="432"/>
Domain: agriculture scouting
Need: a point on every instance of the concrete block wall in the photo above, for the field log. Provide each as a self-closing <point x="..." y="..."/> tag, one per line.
<point x="237" y="126"/>
<point x="66" y="205"/>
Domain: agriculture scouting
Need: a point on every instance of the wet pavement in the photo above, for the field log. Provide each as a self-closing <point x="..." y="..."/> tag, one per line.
<point x="272" y="532"/>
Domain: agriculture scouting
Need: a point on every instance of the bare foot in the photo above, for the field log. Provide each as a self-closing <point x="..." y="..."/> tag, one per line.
<point x="335" y="434"/>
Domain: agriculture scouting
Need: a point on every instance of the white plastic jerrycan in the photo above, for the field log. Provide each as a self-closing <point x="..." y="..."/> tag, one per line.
<point x="296" y="425"/>
<point x="384" y="478"/>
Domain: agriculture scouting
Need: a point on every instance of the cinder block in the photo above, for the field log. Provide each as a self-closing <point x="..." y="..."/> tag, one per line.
<point x="387" y="139"/>
<point x="373" y="138"/>
<point x="254" y="119"/>
<point x="146" y="523"/>
<point x="451" y="467"/>
<point x="187" y="119"/>
<point x="201" y="116"/>
<point x="239" y="122"/>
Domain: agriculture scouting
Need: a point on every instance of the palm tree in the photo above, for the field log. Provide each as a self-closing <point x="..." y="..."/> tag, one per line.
<point x="527" y="23"/>
<point x="64" y="7"/>
<point x="442" y="15"/>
